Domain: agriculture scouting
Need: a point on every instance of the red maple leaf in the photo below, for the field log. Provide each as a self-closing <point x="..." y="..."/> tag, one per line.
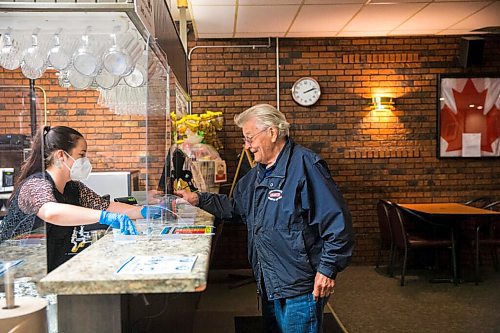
<point x="470" y="118"/>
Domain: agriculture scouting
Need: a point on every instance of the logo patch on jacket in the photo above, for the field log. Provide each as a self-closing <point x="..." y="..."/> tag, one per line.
<point x="275" y="195"/>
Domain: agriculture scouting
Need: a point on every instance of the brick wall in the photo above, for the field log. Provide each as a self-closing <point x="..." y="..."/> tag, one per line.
<point x="115" y="142"/>
<point x="390" y="156"/>
<point x="371" y="156"/>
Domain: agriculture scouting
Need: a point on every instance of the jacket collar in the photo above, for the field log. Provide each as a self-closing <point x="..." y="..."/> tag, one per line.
<point x="280" y="167"/>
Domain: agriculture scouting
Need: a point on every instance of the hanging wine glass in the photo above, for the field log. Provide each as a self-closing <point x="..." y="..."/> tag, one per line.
<point x="33" y="64"/>
<point x="139" y="75"/>
<point x="58" y="57"/>
<point x="10" y="55"/>
<point x="63" y="79"/>
<point x="106" y="80"/>
<point x="121" y="57"/>
<point x="78" y="80"/>
<point x="85" y="59"/>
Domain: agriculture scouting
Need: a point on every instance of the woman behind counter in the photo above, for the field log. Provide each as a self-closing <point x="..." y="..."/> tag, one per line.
<point x="57" y="196"/>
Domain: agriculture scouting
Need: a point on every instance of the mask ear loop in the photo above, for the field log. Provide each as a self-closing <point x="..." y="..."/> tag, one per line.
<point x="67" y="166"/>
<point x="69" y="155"/>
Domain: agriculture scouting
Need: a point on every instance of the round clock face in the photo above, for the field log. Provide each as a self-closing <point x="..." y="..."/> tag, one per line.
<point x="306" y="91"/>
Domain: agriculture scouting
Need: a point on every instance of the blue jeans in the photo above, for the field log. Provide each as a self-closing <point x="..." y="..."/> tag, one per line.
<point x="299" y="314"/>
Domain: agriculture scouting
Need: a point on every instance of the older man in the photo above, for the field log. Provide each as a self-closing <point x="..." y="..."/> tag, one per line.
<point x="299" y="228"/>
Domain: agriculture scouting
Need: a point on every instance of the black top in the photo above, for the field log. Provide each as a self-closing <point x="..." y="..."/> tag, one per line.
<point x="62" y="241"/>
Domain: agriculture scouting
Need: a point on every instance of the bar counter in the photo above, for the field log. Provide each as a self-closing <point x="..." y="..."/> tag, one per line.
<point x="34" y="256"/>
<point x="94" y="270"/>
<point x="92" y="297"/>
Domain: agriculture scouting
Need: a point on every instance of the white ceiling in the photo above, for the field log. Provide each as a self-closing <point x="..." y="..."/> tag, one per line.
<point x="338" y="18"/>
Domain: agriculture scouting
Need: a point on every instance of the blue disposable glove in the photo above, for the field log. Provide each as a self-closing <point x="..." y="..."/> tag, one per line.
<point x="152" y="212"/>
<point x="118" y="221"/>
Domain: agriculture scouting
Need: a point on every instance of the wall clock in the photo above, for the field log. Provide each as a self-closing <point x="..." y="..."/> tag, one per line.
<point x="306" y="91"/>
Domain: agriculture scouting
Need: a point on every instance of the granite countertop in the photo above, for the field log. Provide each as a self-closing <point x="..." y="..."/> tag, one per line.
<point x="33" y="253"/>
<point x="93" y="271"/>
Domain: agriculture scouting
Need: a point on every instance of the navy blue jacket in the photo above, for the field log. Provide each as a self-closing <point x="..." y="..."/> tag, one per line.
<point x="297" y="221"/>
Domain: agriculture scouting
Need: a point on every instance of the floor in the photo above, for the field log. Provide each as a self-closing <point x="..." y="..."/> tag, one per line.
<point x="367" y="300"/>
<point x="229" y="293"/>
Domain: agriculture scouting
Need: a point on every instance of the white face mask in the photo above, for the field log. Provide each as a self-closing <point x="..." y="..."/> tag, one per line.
<point x="81" y="168"/>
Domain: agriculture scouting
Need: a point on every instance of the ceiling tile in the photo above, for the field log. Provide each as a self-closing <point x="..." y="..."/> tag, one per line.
<point x="259" y="34"/>
<point x="397" y="2"/>
<point x="268" y="2"/>
<point x="217" y="35"/>
<point x="316" y="34"/>
<point x="415" y="32"/>
<point x="368" y="33"/>
<point x="332" y="2"/>
<point x="456" y="32"/>
<point x="319" y="18"/>
<point x="382" y="17"/>
<point x="207" y="19"/>
<point x="325" y="18"/>
<point x="441" y="15"/>
<point x="213" y="2"/>
<point x="487" y="17"/>
<point x="265" y="18"/>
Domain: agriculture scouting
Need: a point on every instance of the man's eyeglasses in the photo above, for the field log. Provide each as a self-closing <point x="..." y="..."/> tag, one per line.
<point x="249" y="139"/>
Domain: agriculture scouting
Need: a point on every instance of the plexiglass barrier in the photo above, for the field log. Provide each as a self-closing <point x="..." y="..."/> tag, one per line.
<point x="126" y="127"/>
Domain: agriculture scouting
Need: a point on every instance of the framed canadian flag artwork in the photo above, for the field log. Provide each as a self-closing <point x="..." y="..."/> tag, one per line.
<point x="468" y="116"/>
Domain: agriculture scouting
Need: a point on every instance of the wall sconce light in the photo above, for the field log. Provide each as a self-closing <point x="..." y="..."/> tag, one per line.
<point x="382" y="103"/>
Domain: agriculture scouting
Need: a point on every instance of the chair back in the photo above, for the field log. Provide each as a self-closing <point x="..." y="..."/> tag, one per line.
<point x="398" y="229"/>
<point x="479" y="202"/>
<point x="495" y="225"/>
<point x="493" y="206"/>
<point x="383" y="221"/>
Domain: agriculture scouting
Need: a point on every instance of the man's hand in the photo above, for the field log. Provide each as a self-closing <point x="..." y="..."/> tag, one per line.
<point x="323" y="286"/>
<point x="154" y="197"/>
<point x="190" y="197"/>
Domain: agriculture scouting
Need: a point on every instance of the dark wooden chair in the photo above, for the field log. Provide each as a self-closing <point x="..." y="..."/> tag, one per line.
<point x="426" y="237"/>
<point x="487" y="235"/>
<point x="479" y="202"/>
<point x="385" y="232"/>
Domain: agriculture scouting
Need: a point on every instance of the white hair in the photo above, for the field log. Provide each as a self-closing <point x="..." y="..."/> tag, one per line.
<point x="266" y="116"/>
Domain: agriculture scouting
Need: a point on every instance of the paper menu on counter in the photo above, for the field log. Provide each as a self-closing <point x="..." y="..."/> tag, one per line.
<point x="157" y="265"/>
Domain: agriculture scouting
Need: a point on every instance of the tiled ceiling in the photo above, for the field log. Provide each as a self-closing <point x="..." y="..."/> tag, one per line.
<point x="338" y="18"/>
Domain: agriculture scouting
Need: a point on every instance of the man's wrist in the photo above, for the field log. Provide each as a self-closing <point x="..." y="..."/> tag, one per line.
<point x="198" y="201"/>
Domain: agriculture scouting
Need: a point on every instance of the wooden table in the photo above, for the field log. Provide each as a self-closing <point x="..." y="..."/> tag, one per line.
<point x="453" y="214"/>
<point x="451" y="209"/>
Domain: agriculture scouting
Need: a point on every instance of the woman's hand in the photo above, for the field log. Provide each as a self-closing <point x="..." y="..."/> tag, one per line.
<point x="118" y="221"/>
